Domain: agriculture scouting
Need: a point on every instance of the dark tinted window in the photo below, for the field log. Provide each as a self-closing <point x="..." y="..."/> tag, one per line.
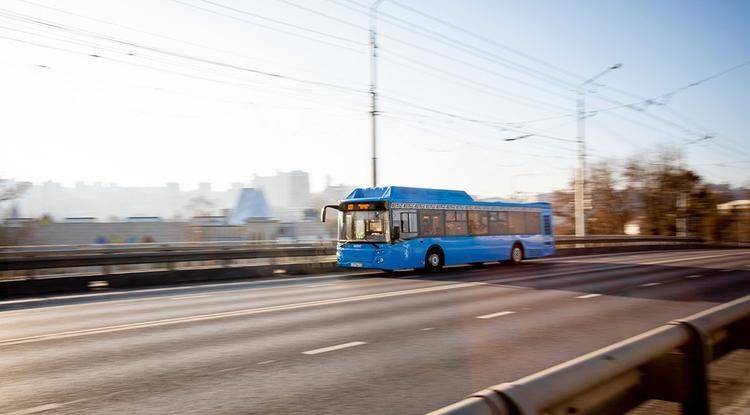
<point x="533" y="224"/>
<point x="517" y="223"/>
<point x="456" y="222"/>
<point x="431" y="223"/>
<point x="498" y="223"/>
<point x="478" y="222"/>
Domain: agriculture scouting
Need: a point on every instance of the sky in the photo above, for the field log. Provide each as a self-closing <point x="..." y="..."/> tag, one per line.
<point x="146" y="92"/>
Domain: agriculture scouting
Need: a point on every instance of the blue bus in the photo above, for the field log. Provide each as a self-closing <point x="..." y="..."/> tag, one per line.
<point x="395" y="228"/>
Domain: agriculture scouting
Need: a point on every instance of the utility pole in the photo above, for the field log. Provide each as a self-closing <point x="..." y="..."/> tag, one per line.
<point x="373" y="87"/>
<point x="580" y="177"/>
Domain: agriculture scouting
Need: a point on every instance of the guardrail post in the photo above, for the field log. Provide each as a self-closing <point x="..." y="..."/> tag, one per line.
<point x="694" y="397"/>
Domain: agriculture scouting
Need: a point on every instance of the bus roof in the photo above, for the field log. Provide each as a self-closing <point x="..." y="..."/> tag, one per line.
<point x="422" y="195"/>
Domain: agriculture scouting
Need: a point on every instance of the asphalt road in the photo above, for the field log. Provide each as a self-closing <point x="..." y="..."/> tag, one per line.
<point x="341" y="344"/>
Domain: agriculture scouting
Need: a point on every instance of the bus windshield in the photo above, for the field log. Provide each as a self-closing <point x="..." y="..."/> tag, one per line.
<point x="363" y="225"/>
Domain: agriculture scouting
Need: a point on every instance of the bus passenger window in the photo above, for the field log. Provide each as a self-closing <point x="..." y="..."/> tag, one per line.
<point x="533" y="224"/>
<point x="408" y="222"/>
<point x="455" y="222"/>
<point x="499" y="223"/>
<point x="431" y="223"/>
<point x="478" y="222"/>
<point x="517" y="223"/>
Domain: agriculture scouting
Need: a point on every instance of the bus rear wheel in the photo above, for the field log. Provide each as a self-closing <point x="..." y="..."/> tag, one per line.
<point x="516" y="254"/>
<point x="433" y="261"/>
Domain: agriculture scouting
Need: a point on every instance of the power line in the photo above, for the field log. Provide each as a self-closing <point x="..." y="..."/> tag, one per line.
<point x="474" y="85"/>
<point x="130" y="54"/>
<point x="21" y="17"/>
<point x="547" y="64"/>
<point x="494" y="124"/>
<point x="423" y="48"/>
<point x="488" y="40"/>
<point x="157" y="35"/>
<point x="269" y="19"/>
<point x="457" y="44"/>
<point x="277" y="91"/>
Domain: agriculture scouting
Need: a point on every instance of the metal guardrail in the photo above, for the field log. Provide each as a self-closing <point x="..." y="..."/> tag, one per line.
<point x="62" y="256"/>
<point x="667" y="363"/>
<point x="152" y="255"/>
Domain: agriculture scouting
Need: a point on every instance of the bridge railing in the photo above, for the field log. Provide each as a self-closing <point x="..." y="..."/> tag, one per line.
<point x="667" y="363"/>
<point x="73" y="257"/>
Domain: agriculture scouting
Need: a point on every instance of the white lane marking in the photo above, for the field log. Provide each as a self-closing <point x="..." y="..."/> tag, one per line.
<point x="235" y="313"/>
<point x="695" y="276"/>
<point x="184" y="297"/>
<point x="43" y="408"/>
<point x="650" y="284"/>
<point x="317" y="285"/>
<point x="250" y="285"/>
<point x="727" y="270"/>
<point x="36" y="409"/>
<point x="265" y="362"/>
<point x="25" y="300"/>
<point x="252" y="311"/>
<point x="229" y="369"/>
<point x="332" y="348"/>
<point x="493" y="315"/>
<point x="666" y="261"/>
<point x="588" y="296"/>
<point x="427" y="328"/>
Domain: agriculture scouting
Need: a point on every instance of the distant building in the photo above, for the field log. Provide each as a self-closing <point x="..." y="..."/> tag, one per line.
<point x="250" y="206"/>
<point x="107" y="201"/>
<point x="288" y="193"/>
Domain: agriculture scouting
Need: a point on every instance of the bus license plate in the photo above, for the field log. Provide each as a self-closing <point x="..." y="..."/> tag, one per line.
<point x="356" y="264"/>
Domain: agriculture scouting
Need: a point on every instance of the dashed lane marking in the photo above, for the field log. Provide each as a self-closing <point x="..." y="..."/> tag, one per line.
<point x="235" y="313"/>
<point x="696" y="275"/>
<point x="185" y="297"/>
<point x="498" y="314"/>
<point x="650" y="284"/>
<point x="332" y="348"/>
<point x="43" y="408"/>
<point x="588" y="296"/>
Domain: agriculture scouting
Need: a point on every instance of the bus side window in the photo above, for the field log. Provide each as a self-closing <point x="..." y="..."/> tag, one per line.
<point x="499" y="223"/>
<point x="478" y="222"/>
<point x="533" y="225"/>
<point x="517" y="222"/>
<point x="408" y="222"/>
<point x="431" y="223"/>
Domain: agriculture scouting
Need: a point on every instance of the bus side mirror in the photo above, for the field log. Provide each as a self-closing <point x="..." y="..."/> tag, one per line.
<point x="323" y="211"/>
<point x="396" y="234"/>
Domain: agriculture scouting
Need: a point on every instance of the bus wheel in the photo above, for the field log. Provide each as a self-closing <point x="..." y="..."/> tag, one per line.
<point x="516" y="254"/>
<point x="433" y="262"/>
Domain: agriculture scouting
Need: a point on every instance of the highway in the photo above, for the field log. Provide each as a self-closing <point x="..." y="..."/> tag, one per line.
<point x="351" y="343"/>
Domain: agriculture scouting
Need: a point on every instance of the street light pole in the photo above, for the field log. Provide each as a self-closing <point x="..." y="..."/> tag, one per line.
<point x="580" y="177"/>
<point x="373" y="87"/>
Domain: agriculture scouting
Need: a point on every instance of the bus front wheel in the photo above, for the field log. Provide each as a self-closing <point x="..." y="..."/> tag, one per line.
<point x="433" y="261"/>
